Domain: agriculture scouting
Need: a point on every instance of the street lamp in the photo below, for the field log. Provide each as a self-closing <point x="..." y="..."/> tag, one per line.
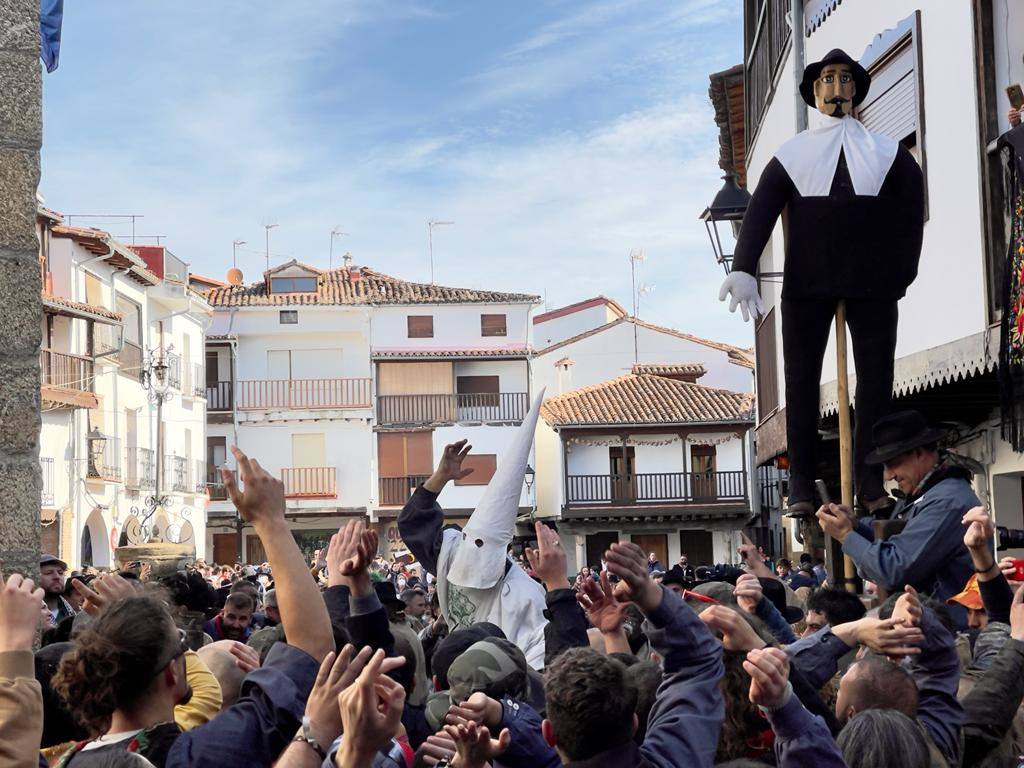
<point x="156" y="383"/>
<point x="97" y="443"/>
<point x="730" y="204"/>
<point x="528" y="477"/>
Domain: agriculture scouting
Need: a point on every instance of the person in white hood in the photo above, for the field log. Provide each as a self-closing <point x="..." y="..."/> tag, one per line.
<point x="476" y="579"/>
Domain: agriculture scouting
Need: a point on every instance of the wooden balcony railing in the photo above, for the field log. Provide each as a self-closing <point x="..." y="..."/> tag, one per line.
<point x="60" y="369"/>
<point x="309" y="482"/>
<point x="655" y="487"/>
<point x="176" y="473"/>
<point x="395" y="491"/>
<point x="107" y="465"/>
<point x="46" y="492"/>
<point x="451" y="409"/>
<point x="218" y="396"/>
<point x="140" y="470"/>
<point x="130" y="358"/>
<point x="215" y="488"/>
<point x="256" y="394"/>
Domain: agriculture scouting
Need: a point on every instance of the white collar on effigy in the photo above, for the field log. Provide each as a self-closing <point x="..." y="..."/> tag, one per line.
<point x="810" y="158"/>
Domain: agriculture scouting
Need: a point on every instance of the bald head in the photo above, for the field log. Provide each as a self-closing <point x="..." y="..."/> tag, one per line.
<point x="876" y="683"/>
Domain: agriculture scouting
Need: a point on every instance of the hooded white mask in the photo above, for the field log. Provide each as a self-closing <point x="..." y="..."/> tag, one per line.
<point x="476" y="580"/>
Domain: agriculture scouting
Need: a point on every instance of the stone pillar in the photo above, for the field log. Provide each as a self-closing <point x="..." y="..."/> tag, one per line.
<point x="20" y="307"/>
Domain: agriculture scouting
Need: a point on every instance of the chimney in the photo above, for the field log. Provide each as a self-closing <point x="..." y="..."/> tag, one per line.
<point x="234" y="276"/>
<point x="564" y="368"/>
<point x="347" y="261"/>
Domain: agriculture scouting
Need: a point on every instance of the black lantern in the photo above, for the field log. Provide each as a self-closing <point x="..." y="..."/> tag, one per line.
<point x="160" y="369"/>
<point x="528" y="477"/>
<point x="730" y="204"/>
<point x="97" y="443"/>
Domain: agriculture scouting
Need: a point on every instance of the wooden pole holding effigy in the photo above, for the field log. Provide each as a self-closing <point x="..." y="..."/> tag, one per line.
<point x="838" y="568"/>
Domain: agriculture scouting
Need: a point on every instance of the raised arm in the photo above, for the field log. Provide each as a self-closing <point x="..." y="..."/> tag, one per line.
<point x="683" y="725"/>
<point x="567" y="626"/>
<point x="421" y="521"/>
<point x="774" y="190"/>
<point x="996" y="594"/>
<point x="21" y="698"/>
<point x="261" y="504"/>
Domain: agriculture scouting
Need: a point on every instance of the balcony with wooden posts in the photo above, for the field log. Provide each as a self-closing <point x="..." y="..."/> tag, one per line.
<point x="219" y="397"/>
<point x="496" y="407"/>
<point x="302" y="394"/>
<point x="140" y="468"/>
<point x="650" y="493"/>
<point x="66" y="380"/>
<point x="310" y="482"/>
<point x="395" y="491"/>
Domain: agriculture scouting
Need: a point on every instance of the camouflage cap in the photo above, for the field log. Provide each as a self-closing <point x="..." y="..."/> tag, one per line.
<point x="494" y="666"/>
<point x="436" y="709"/>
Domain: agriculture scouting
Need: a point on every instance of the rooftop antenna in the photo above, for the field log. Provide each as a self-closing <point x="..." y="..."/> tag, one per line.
<point x="635" y="255"/>
<point x="336" y="232"/>
<point x="430" y="241"/>
<point x="268" y="227"/>
<point x="234" y="251"/>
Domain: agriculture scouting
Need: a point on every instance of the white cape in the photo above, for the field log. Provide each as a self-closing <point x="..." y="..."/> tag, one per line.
<point x="810" y="158"/>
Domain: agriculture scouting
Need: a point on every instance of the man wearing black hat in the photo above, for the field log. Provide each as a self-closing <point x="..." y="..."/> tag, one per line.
<point x="854" y="205"/>
<point x="51" y="579"/>
<point x="928" y="553"/>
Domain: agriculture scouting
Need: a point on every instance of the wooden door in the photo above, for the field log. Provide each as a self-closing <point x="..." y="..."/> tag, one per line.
<point x="597" y="545"/>
<point x="225" y="548"/>
<point x="698" y="547"/>
<point x="404" y="459"/>
<point x="621" y="465"/>
<point x="255" y="554"/>
<point x="656" y="543"/>
<point x="702" y="459"/>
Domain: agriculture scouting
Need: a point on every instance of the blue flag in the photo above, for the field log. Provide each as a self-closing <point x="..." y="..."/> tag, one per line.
<point x="51" y="13"/>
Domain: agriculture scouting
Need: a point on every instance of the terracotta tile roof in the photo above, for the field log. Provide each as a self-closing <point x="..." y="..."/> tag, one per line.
<point x="79" y="308"/>
<point x="209" y="281"/>
<point x="693" y="370"/>
<point x="442" y="354"/>
<point x="736" y="354"/>
<point x="361" y="287"/>
<point x="100" y="243"/>
<point x="579" y="306"/>
<point x="643" y="400"/>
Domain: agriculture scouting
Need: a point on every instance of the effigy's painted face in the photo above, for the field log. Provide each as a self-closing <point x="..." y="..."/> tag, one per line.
<point x="834" y="90"/>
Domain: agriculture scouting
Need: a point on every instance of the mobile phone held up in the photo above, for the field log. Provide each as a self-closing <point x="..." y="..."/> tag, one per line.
<point x="1016" y="95"/>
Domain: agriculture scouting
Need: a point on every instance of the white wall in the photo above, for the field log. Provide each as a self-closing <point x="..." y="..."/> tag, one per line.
<point x="609" y="354"/>
<point x="455" y="326"/>
<point x="564" y="327"/>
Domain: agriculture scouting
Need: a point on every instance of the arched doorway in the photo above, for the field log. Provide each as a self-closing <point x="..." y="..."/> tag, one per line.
<point x="95" y="541"/>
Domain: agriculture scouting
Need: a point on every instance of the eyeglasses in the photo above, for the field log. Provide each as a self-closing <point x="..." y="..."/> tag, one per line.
<point x="178" y="651"/>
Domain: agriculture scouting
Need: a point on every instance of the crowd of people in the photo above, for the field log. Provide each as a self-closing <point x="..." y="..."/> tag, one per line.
<point x="351" y="661"/>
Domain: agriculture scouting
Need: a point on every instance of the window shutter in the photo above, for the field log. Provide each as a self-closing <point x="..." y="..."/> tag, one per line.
<point x="421" y="326"/>
<point x="891" y="105"/>
<point x="767" y="366"/>
<point x="484" y="465"/>
<point x="493" y="325"/>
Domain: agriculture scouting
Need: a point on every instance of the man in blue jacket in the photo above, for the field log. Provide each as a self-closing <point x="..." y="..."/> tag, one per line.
<point x="928" y="553"/>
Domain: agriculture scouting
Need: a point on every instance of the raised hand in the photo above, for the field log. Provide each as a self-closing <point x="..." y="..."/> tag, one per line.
<point x="748" y="592"/>
<point x="371" y="713"/>
<point x="889" y="637"/>
<point x="20" y="602"/>
<point x="627" y="561"/>
<point x="981" y="530"/>
<point x="769" y="676"/>
<point x="438" y="747"/>
<point x="246" y="657"/>
<point x="605" y="612"/>
<point x="751" y="558"/>
<point x="474" y="744"/>
<point x="835" y="520"/>
<point x="548" y="560"/>
<point x="262" y="498"/>
<point x="479" y="709"/>
<point x="908" y="609"/>
<point x="349" y="555"/>
<point x="450" y="466"/>
<point x="1009" y="569"/>
<point x="737" y="634"/>
<point x="104" y="590"/>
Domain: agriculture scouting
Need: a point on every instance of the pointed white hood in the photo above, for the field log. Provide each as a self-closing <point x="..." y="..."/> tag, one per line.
<point x="480" y="560"/>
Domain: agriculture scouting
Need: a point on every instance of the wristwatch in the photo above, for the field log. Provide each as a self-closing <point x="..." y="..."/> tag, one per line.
<point x="305" y="736"/>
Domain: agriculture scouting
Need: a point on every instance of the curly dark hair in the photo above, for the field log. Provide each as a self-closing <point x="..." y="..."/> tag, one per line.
<point x="190" y="590"/>
<point x="590" y="703"/>
<point x="741" y="717"/>
<point x="115" y="660"/>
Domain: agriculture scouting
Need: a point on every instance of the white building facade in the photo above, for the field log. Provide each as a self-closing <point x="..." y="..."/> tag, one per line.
<point x="109" y="312"/>
<point x="939" y="72"/>
<point x="348" y="384"/>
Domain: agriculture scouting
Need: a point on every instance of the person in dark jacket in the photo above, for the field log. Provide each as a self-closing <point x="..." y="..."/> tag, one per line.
<point x="854" y="206"/>
<point x="591" y="713"/>
<point x="928" y="553"/>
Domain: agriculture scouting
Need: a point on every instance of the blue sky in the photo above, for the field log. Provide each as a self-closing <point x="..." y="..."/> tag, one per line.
<point x="557" y="135"/>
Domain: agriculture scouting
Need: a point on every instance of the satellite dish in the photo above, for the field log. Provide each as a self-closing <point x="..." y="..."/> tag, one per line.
<point x="133" y="531"/>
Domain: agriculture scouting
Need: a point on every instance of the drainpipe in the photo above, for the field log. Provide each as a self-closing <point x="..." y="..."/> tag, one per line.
<point x="796" y="23"/>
